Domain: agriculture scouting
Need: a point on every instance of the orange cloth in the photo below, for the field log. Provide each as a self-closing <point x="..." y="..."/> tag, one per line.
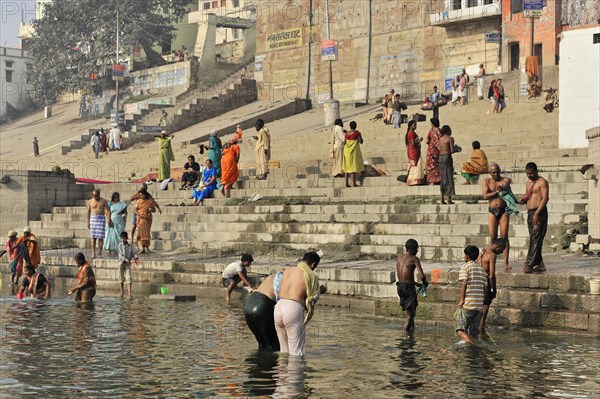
<point x="532" y="65"/>
<point x="34" y="249"/>
<point x="144" y="219"/>
<point x="477" y="163"/>
<point x="229" y="165"/>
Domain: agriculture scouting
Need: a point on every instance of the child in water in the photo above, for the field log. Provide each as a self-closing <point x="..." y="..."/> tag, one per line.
<point x="405" y="268"/>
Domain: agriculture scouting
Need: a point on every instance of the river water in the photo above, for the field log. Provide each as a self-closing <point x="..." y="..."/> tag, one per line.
<point x="159" y="349"/>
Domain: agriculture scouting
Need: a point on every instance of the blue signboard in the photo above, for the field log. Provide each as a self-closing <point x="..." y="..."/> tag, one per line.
<point x="533" y="8"/>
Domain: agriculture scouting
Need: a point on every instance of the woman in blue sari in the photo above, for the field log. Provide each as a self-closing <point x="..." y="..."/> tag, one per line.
<point x="118" y="216"/>
<point x="215" y="149"/>
<point x="207" y="185"/>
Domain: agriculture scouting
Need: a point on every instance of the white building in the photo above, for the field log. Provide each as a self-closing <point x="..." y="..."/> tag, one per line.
<point x="14" y="89"/>
<point x="579" y="87"/>
<point x="223" y="8"/>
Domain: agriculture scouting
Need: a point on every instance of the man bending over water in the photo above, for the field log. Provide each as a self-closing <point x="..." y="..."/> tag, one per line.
<point x="405" y="268"/>
<point x="299" y="291"/>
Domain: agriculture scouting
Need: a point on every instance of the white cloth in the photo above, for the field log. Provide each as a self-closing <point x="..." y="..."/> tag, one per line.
<point x="232" y="269"/>
<point x="480" y="86"/>
<point x="289" y="324"/>
<point x="115" y="138"/>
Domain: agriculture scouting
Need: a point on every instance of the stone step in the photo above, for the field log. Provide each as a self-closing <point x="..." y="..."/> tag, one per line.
<point x="475" y="218"/>
<point x="341" y="209"/>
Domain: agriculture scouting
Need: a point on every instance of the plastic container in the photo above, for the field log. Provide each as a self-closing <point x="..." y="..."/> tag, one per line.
<point x="595" y="286"/>
<point x="20" y="295"/>
<point x="164" y="290"/>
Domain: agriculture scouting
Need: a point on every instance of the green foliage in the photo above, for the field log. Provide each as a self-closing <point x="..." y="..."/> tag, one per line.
<point x="77" y="38"/>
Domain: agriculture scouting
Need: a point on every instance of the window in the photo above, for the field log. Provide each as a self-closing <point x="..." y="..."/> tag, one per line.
<point x="9" y="64"/>
<point x="223" y="3"/>
<point x="456" y="4"/>
<point x="236" y="33"/>
<point x="207" y="6"/>
<point x="215" y="4"/>
<point x="472" y="3"/>
<point x="9" y="75"/>
<point x="516" y="6"/>
<point x="236" y="3"/>
<point x="487" y="2"/>
<point x="596" y="38"/>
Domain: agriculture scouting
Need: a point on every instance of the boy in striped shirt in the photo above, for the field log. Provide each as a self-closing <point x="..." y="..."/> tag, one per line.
<point x="472" y="292"/>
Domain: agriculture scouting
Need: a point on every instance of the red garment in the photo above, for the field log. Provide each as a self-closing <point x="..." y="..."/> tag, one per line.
<point x="352" y="135"/>
<point x="496" y="92"/>
<point x="433" y="156"/>
<point x="414" y="150"/>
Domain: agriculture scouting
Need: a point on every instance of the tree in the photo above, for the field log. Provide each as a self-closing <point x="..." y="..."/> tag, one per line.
<point x="76" y="39"/>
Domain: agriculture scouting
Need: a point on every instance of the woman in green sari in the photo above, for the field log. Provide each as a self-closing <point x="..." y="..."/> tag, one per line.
<point x="215" y="151"/>
<point x="165" y="155"/>
<point x="118" y="216"/>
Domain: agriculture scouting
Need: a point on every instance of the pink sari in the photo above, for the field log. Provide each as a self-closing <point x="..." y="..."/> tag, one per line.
<point x="433" y="156"/>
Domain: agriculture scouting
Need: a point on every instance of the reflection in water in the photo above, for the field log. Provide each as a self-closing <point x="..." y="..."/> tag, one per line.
<point x="290" y="377"/>
<point x="146" y="349"/>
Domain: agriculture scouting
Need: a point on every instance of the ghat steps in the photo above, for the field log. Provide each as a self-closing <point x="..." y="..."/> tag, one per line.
<point x="558" y="302"/>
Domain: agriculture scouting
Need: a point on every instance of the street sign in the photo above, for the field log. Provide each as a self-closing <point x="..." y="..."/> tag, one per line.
<point x="493" y="37"/>
<point x="533" y="8"/>
<point x="118" y="72"/>
<point x="329" y="50"/>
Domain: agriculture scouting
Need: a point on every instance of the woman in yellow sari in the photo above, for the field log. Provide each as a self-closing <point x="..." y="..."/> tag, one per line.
<point x="353" y="160"/>
<point x="144" y="208"/>
<point x="165" y="156"/>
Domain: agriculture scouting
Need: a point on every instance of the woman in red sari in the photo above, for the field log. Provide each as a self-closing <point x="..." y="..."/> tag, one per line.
<point x="416" y="175"/>
<point x="433" y="152"/>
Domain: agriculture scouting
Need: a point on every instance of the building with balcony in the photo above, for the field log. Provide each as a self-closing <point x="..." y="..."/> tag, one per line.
<point x="471" y="35"/>
<point x="14" y="89"/>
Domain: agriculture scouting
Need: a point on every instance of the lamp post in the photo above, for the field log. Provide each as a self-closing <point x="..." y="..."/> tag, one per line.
<point x="332" y="106"/>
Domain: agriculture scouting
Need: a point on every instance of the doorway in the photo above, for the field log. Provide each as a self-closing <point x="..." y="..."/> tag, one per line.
<point x="537" y="51"/>
<point x="513" y="49"/>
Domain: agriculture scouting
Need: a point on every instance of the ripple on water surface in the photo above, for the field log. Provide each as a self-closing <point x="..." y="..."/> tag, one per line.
<point x="143" y="348"/>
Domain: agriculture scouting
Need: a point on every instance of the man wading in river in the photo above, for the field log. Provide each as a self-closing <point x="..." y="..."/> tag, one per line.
<point x="299" y="292"/>
<point x="405" y="269"/>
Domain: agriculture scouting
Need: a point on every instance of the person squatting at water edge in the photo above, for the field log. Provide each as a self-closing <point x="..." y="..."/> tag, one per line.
<point x="236" y="272"/>
<point x="85" y="290"/>
<point x="467" y="317"/>
<point x="299" y="291"/>
<point x="34" y="284"/>
<point x="405" y="269"/>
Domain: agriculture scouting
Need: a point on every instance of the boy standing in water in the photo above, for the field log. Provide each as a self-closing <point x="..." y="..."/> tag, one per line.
<point x="127" y="257"/>
<point x="405" y="268"/>
<point x="472" y="292"/>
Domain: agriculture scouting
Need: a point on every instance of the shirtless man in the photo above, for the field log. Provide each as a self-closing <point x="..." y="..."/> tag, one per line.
<point x="405" y="269"/>
<point x="85" y="290"/>
<point x="98" y="214"/>
<point x="258" y="312"/>
<point x="447" y="148"/>
<point x="487" y="260"/>
<point x="299" y="291"/>
<point x="536" y="198"/>
<point x="497" y="215"/>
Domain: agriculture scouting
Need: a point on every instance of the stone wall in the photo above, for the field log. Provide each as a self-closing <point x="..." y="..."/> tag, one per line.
<point x="25" y="194"/>
<point x="593" y="135"/>
<point x="407" y="52"/>
<point x="153" y="80"/>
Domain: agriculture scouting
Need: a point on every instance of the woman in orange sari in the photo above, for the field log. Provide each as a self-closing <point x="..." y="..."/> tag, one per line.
<point x="229" y="166"/>
<point x="144" y="208"/>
